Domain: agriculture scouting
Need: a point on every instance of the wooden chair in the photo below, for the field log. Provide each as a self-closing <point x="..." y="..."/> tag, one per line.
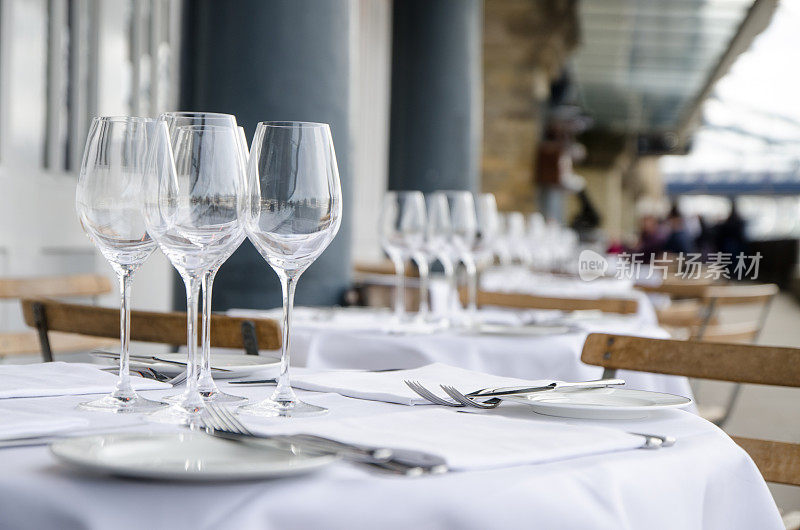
<point x="48" y="316"/>
<point x="82" y="285"/>
<point x="779" y="462"/>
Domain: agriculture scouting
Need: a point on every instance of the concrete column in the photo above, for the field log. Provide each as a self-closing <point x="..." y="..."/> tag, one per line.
<point x="436" y="108"/>
<point x="275" y="60"/>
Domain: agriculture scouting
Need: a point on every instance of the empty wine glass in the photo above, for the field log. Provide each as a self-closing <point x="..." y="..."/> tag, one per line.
<point x="402" y="229"/>
<point x="108" y="202"/>
<point x="488" y="225"/>
<point x="194" y="196"/>
<point x="462" y="239"/>
<point x="515" y="238"/>
<point x="294" y="210"/>
<point x="206" y="386"/>
<point x="438" y="235"/>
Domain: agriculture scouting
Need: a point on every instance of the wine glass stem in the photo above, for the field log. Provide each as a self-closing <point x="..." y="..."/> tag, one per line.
<point x="193" y="365"/>
<point x="400" y="288"/>
<point x="284" y="393"/>
<point x="124" y="383"/>
<point x="472" y="284"/>
<point x="205" y="382"/>
<point x="422" y="265"/>
<point x="450" y="278"/>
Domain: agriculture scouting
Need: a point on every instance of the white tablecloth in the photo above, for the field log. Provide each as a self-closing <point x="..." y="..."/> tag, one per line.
<point x="323" y="346"/>
<point x="703" y="482"/>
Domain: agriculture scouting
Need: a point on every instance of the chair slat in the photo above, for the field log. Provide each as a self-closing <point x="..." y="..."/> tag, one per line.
<point x="741" y="293"/>
<point x="527" y="301"/>
<point x="741" y="332"/>
<point x="54" y="286"/>
<point x="680" y="289"/>
<point x="26" y="342"/>
<point x="738" y="363"/>
<point x="147" y="326"/>
<point x="778" y="461"/>
<point x="681" y="313"/>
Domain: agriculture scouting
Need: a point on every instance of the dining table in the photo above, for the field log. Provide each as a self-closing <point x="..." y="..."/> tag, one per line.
<point x="514" y="342"/>
<point x="703" y="481"/>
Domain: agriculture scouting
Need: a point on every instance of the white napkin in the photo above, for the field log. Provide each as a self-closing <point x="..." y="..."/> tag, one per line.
<point x="471" y="441"/>
<point x="18" y="424"/>
<point x="389" y="386"/>
<point x="62" y="379"/>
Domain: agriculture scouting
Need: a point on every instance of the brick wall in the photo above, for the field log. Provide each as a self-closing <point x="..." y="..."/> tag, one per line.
<point x="526" y="43"/>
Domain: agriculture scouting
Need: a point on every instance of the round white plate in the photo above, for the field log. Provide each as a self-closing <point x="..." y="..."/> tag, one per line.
<point x="182" y="456"/>
<point x="600" y="403"/>
<point x="529" y="330"/>
<point x="235" y="364"/>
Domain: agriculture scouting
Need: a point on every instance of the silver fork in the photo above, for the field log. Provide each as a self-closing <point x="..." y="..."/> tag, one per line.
<point x="424" y="393"/>
<point x="178" y="379"/>
<point x="466" y="401"/>
<point x="221" y="422"/>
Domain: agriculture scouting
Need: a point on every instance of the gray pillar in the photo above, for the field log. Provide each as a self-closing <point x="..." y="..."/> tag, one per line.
<point x="437" y="96"/>
<point x="276" y="60"/>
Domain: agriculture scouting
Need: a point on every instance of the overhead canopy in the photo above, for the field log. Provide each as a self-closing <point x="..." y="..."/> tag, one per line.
<point x="644" y="65"/>
<point x="750" y="140"/>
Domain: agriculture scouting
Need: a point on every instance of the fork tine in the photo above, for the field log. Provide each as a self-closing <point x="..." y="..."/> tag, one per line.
<point x="428" y="395"/>
<point x="461" y="398"/>
<point x="215" y="411"/>
<point x="233" y="420"/>
<point x="209" y="422"/>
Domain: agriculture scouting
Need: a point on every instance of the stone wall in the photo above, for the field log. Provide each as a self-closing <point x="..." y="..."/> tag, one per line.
<point x="526" y="43"/>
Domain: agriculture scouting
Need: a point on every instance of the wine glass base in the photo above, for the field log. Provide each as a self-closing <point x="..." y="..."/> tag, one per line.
<point x="122" y="404"/>
<point x="187" y="411"/>
<point x="211" y="396"/>
<point x="270" y="408"/>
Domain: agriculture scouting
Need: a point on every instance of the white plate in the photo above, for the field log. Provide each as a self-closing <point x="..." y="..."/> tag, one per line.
<point x="235" y="364"/>
<point x="528" y="330"/>
<point x="182" y="456"/>
<point x="600" y="403"/>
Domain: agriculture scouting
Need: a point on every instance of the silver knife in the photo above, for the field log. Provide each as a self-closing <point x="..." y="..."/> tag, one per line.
<point x="147" y="359"/>
<point x="507" y="391"/>
<point x="408" y="458"/>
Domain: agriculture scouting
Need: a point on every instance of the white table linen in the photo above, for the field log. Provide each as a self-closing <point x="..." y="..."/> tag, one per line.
<point x="704" y="482"/>
<point x="18" y="424"/>
<point x="60" y="379"/>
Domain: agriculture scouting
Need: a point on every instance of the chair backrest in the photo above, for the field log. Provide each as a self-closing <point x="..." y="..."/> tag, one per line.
<point x="54" y="286"/>
<point x="146" y="326"/>
<point x="679" y="288"/>
<point x="79" y="285"/>
<point x="528" y="301"/>
<point x="738" y="363"/>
